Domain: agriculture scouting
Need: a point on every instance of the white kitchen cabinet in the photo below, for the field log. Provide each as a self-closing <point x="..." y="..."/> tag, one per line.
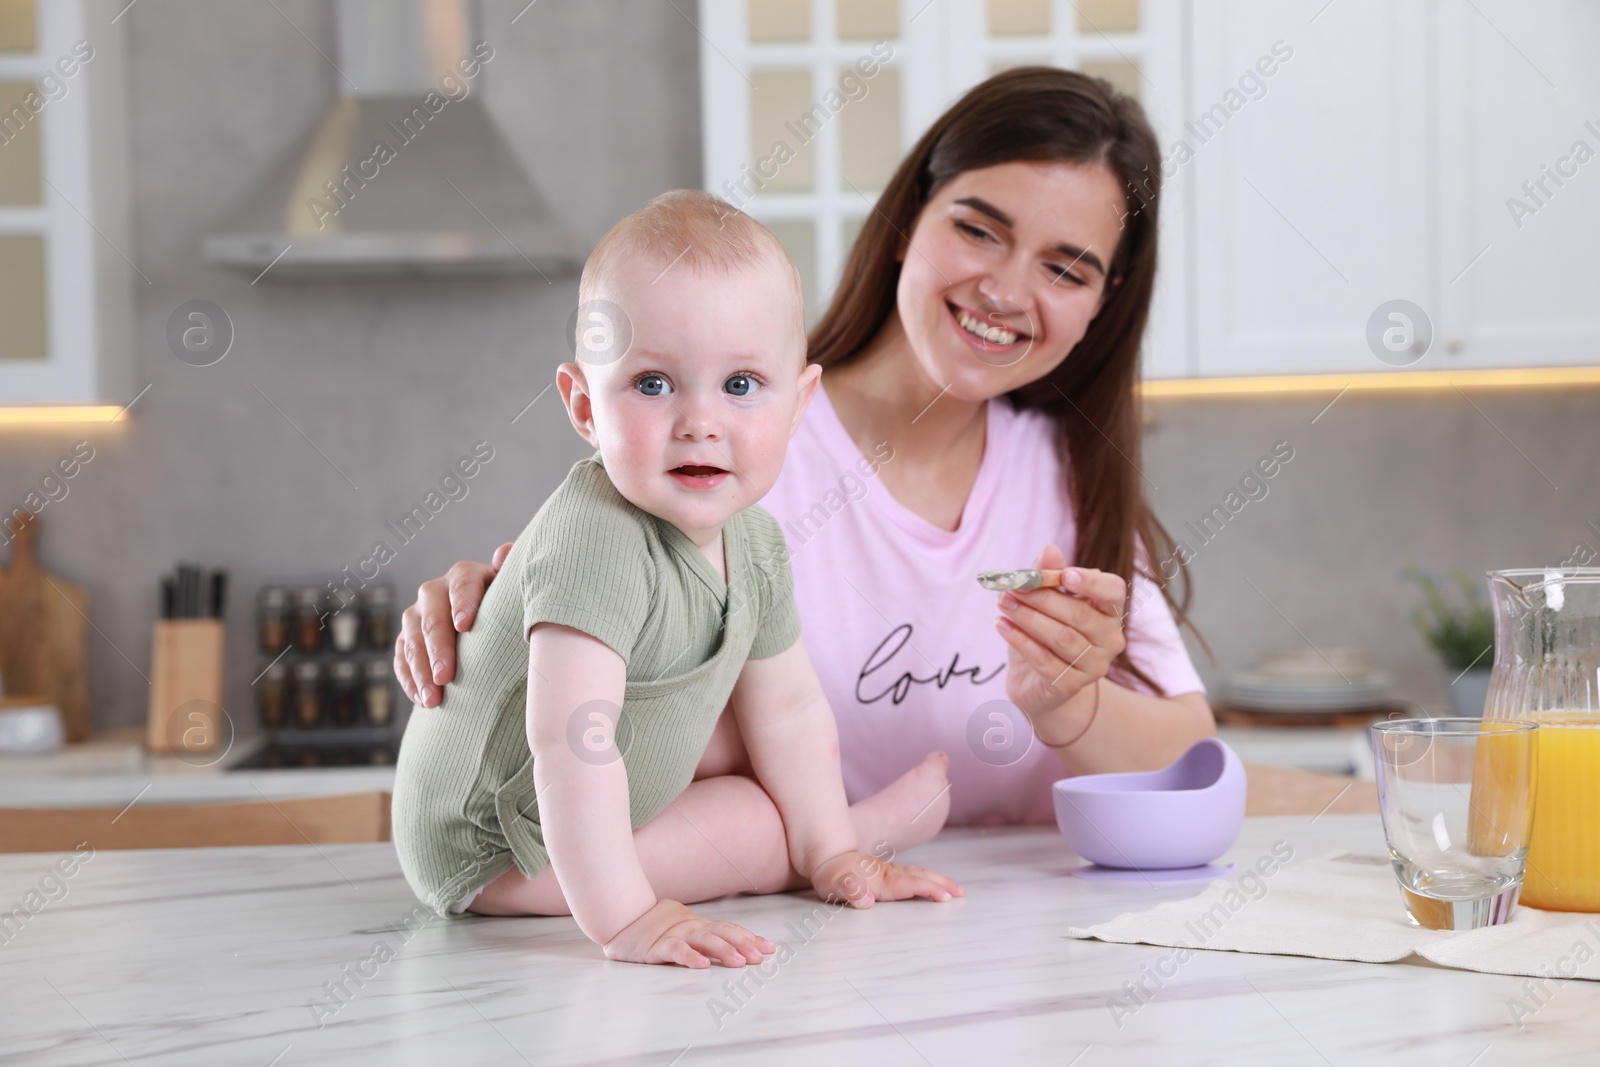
<point x="65" y="279"/>
<point x="1312" y="188"/>
<point x="1382" y="163"/>
<point x="1519" y="181"/>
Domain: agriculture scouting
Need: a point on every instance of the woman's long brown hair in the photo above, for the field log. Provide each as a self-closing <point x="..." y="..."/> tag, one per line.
<point x="1044" y="114"/>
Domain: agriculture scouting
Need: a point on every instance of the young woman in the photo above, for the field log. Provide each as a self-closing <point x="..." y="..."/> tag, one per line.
<point x="977" y="411"/>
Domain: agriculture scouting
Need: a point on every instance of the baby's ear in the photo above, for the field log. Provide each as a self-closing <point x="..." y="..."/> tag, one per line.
<point x="574" y="388"/>
<point x="810" y="378"/>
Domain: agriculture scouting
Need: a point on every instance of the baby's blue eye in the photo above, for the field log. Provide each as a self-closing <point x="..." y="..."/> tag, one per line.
<point x="741" y="385"/>
<point x="653" y="385"/>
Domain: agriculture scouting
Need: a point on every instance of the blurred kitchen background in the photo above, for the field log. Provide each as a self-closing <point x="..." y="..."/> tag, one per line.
<point x="1377" y="162"/>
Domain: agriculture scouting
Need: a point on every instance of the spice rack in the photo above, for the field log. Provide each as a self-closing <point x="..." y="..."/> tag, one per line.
<point x="326" y="677"/>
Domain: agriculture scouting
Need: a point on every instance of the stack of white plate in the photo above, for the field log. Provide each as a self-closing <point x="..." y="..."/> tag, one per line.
<point x="1310" y="681"/>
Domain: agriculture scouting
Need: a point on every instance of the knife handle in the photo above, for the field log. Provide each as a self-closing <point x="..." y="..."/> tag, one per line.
<point x="219" y="593"/>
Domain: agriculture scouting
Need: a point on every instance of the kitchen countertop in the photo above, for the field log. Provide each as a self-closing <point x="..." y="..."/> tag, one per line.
<point x="115" y="790"/>
<point x="113" y="769"/>
<point x="1321" y="749"/>
<point x="210" y="956"/>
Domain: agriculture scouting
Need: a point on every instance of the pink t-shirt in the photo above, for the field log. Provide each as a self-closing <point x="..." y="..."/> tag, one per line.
<point x="902" y="634"/>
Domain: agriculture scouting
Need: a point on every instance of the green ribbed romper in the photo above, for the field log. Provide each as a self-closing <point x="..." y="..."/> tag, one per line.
<point x="463" y="807"/>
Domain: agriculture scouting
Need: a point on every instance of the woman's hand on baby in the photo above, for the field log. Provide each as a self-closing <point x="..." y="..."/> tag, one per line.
<point x="425" y="651"/>
<point x="1061" y="641"/>
<point x="671" y="933"/>
<point x="863" y="879"/>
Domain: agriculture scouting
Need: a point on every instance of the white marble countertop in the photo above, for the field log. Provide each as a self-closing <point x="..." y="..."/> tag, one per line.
<point x="213" y="956"/>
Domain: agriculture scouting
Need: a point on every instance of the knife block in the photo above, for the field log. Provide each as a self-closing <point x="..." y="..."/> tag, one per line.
<point x="186" y="686"/>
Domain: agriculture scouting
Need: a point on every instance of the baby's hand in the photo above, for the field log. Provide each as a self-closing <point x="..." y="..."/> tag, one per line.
<point x="671" y="933"/>
<point x="863" y="879"/>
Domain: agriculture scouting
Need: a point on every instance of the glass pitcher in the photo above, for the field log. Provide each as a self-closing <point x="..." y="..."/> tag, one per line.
<point x="1547" y="669"/>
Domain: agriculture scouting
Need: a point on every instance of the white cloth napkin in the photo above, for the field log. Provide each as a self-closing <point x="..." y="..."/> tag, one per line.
<point x="1346" y="906"/>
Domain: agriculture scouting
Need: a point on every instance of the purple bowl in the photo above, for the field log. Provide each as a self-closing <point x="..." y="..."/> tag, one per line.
<point x="1183" y="815"/>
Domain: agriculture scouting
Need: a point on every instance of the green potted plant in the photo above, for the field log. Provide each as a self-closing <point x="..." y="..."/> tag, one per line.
<point x="1460" y="630"/>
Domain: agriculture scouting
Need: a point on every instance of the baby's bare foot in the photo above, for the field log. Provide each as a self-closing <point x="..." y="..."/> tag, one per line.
<point x="907" y="812"/>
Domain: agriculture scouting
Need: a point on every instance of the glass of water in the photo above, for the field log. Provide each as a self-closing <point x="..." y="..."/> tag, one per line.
<point x="1457" y="802"/>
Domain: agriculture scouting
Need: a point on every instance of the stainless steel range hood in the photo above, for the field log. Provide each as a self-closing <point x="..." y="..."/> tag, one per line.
<point x="406" y="174"/>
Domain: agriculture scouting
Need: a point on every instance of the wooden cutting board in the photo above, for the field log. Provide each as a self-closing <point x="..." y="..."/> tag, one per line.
<point x="44" y="632"/>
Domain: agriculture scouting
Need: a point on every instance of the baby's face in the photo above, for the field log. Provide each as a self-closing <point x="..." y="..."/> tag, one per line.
<point x="693" y="420"/>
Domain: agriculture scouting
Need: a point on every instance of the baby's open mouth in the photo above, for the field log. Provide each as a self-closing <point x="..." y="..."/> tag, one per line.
<point x="695" y="470"/>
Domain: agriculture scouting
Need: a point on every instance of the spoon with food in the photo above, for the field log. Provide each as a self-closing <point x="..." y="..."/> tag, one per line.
<point x="1019" y="581"/>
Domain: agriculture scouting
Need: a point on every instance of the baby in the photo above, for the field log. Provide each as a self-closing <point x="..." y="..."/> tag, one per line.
<point x="567" y="771"/>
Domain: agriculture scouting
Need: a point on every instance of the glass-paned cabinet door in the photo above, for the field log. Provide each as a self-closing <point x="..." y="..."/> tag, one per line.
<point x="19" y="26"/>
<point x="810" y="105"/>
<point x="804" y="119"/>
<point x="63" y="289"/>
<point x="25" y="335"/>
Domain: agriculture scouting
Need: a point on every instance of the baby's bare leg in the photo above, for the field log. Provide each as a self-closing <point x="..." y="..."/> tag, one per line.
<point x="725" y="752"/>
<point x="720" y="836"/>
<point x="904" y="814"/>
<point x="723" y="834"/>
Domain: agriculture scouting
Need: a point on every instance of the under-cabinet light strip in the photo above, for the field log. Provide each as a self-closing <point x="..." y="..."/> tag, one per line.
<point x="28" y="415"/>
<point x="1372" y="382"/>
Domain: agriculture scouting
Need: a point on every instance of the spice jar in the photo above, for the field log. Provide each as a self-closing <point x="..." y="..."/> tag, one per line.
<point x="272" y="617"/>
<point x="345" y="627"/>
<point x="273" y="695"/>
<point x="380" y="693"/>
<point x="308" y="620"/>
<point x="376" y="601"/>
<point x="308" y="694"/>
<point x="346" y="685"/>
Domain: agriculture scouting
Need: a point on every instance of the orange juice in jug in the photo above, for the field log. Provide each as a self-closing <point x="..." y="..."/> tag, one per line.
<point x="1564" y="856"/>
<point x="1547" y="670"/>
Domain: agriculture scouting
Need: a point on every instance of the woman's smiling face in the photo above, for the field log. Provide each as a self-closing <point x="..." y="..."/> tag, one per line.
<point x="1018" y="253"/>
